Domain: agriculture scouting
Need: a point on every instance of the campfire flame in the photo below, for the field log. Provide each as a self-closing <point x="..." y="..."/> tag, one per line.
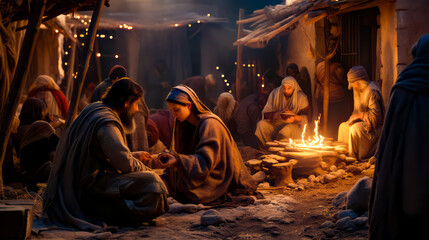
<point x="313" y="142"/>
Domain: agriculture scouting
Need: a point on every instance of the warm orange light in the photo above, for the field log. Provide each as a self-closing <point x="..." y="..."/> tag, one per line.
<point x="315" y="142"/>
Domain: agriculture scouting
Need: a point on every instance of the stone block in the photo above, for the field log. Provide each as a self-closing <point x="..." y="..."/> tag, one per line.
<point x="16" y="218"/>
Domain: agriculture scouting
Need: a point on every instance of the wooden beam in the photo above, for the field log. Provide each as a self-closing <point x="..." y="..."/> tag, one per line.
<point x="239" y="73"/>
<point x="84" y="63"/>
<point x="327" y="30"/>
<point x="20" y="78"/>
<point x="70" y="66"/>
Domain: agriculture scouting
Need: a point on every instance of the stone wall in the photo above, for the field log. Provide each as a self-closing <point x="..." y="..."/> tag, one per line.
<point x="402" y="23"/>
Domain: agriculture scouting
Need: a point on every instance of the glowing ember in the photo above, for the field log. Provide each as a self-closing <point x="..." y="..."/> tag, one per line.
<point x="315" y="142"/>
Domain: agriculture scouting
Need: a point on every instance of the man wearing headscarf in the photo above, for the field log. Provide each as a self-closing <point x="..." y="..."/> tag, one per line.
<point x="95" y="178"/>
<point x="362" y="130"/>
<point x="116" y="72"/>
<point x="398" y="207"/>
<point x="285" y="113"/>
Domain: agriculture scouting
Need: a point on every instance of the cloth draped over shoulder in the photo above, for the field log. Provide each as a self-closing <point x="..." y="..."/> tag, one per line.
<point x="278" y="102"/>
<point x="81" y="167"/>
<point x="399" y="199"/>
<point x="210" y="163"/>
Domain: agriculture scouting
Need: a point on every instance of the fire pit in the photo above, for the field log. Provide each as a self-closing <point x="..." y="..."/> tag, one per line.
<point x="316" y="159"/>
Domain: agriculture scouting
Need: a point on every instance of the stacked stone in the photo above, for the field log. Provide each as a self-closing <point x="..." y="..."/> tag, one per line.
<point x="310" y="165"/>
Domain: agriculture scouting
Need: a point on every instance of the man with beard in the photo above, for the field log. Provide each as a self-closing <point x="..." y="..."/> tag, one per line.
<point x="285" y="113"/>
<point x="95" y="179"/>
<point x="362" y="130"/>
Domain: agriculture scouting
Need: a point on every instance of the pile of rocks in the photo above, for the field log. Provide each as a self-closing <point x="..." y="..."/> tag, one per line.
<point x="353" y="215"/>
<point x="304" y="167"/>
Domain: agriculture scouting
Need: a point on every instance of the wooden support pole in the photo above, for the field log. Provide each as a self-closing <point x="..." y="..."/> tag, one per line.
<point x="84" y="63"/>
<point x="20" y="78"/>
<point x="327" y="29"/>
<point x="70" y="66"/>
<point x="239" y="73"/>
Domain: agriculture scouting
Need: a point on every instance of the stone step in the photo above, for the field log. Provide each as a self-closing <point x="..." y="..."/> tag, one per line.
<point x="16" y="218"/>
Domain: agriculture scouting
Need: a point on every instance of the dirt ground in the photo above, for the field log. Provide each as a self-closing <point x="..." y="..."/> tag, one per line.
<point x="285" y="213"/>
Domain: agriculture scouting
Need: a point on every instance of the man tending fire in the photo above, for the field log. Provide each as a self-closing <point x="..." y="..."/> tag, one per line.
<point x="362" y="130"/>
<point x="285" y="113"/>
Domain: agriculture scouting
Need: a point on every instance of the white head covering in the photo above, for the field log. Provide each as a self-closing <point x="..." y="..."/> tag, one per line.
<point x="278" y="102"/>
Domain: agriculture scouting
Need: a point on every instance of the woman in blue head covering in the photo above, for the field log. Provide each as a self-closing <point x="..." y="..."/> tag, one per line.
<point x="204" y="163"/>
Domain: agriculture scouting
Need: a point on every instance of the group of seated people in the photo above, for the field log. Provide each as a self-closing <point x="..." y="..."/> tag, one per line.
<point x="99" y="170"/>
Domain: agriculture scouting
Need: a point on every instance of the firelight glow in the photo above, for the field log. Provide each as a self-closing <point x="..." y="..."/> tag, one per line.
<point x="315" y="142"/>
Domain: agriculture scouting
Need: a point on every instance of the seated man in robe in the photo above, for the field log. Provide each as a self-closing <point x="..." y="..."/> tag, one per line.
<point x="362" y="130"/>
<point x="285" y="113"/>
<point x="95" y="179"/>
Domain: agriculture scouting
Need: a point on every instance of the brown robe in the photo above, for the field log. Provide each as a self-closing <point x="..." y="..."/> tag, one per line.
<point x="210" y="163"/>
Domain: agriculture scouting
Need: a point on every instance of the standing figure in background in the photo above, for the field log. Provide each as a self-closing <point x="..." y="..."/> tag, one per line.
<point x="247" y="116"/>
<point x="398" y="207"/>
<point x="271" y="81"/>
<point x="303" y="79"/>
<point x="285" y="113"/>
<point x="85" y="100"/>
<point x="204" y="164"/>
<point x="159" y="84"/>
<point x="340" y="105"/>
<point x="201" y="85"/>
<point x="225" y="110"/>
<point x="116" y="72"/>
<point x="362" y="130"/>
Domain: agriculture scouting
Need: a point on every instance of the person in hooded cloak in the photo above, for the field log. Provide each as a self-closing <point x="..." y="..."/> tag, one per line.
<point x="398" y="206"/>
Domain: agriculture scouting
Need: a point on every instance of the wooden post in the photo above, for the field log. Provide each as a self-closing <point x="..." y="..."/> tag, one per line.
<point x="20" y="78"/>
<point x="239" y="73"/>
<point x="70" y="67"/>
<point x="327" y="77"/>
<point x="84" y="63"/>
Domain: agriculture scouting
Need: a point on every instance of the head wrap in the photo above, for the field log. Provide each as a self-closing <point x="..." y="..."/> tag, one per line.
<point x="291" y="81"/>
<point x="43" y="82"/>
<point x="38" y="130"/>
<point x="178" y="96"/>
<point x="117" y="71"/>
<point x="357" y="73"/>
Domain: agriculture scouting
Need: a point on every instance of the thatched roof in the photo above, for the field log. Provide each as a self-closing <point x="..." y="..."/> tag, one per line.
<point x="273" y="20"/>
<point x="16" y="10"/>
